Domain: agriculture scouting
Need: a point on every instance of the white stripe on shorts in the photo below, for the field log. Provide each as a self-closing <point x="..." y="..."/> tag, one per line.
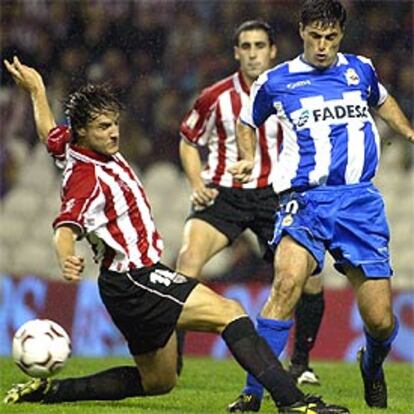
<point x="155" y="292"/>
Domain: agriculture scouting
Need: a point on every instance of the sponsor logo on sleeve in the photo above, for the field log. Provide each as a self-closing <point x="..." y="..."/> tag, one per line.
<point x="68" y="206"/>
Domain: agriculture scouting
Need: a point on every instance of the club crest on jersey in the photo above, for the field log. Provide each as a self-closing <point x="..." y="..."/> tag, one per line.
<point x="352" y="77"/>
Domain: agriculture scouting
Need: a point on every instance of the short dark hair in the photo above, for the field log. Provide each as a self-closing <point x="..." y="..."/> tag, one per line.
<point x="89" y="101"/>
<point x="254" y="25"/>
<point x="328" y="12"/>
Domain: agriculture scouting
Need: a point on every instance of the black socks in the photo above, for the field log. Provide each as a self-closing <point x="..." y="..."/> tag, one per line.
<point x="308" y="316"/>
<point x="112" y="384"/>
<point x="253" y="353"/>
<point x="180" y="350"/>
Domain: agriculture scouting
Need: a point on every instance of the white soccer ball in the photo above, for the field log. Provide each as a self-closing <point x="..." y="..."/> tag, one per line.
<point x="41" y="348"/>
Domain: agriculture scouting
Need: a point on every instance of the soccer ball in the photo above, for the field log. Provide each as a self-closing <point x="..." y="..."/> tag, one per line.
<point x="41" y="348"/>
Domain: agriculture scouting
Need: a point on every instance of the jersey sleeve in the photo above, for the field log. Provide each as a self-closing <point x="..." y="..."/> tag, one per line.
<point x="260" y="105"/>
<point x="196" y="123"/>
<point x="378" y="93"/>
<point x="57" y="144"/>
<point x="80" y="188"/>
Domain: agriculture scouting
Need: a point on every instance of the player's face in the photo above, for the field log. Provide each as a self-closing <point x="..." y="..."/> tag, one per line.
<point x="101" y="134"/>
<point x="254" y="52"/>
<point x="321" y="43"/>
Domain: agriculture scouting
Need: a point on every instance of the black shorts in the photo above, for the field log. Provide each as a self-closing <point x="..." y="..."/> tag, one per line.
<point x="145" y="304"/>
<point x="235" y="210"/>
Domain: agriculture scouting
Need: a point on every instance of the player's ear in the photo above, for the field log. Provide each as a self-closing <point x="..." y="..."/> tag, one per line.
<point x="81" y="132"/>
<point x="301" y="30"/>
<point x="236" y="53"/>
<point x="273" y="52"/>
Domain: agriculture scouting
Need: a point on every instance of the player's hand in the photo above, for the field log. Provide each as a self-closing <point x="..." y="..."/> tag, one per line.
<point x="72" y="267"/>
<point x="242" y="170"/>
<point x="26" y="77"/>
<point x="203" y="196"/>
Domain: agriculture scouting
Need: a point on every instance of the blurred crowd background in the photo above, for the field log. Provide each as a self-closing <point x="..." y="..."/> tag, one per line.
<point x="159" y="54"/>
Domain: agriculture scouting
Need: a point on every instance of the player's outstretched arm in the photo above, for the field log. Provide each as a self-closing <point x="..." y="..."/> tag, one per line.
<point x="392" y="114"/>
<point x="246" y="143"/>
<point x="31" y="81"/>
<point x="191" y="162"/>
<point x="71" y="265"/>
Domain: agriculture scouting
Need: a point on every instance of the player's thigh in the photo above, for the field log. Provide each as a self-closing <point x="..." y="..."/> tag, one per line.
<point x="293" y="261"/>
<point x="201" y="241"/>
<point x="293" y="264"/>
<point x="374" y="298"/>
<point x="158" y="368"/>
<point x="206" y="311"/>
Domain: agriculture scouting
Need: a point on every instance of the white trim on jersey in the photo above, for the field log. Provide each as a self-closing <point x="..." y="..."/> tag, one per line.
<point x="289" y="164"/>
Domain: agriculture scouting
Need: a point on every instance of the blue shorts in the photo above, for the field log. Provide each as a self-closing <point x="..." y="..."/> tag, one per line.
<point x="348" y="221"/>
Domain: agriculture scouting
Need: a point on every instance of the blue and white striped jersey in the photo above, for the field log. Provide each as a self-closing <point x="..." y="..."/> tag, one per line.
<point x="330" y="137"/>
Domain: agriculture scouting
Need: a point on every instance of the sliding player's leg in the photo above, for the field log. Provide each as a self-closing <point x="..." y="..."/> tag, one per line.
<point x="202" y="240"/>
<point x="206" y="311"/>
<point x="154" y="374"/>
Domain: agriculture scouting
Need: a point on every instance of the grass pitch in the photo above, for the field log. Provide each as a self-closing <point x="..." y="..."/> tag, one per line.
<point x="207" y="386"/>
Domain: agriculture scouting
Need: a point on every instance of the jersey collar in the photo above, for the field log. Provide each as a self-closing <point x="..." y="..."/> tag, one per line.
<point x="243" y="85"/>
<point x="88" y="154"/>
<point x="299" y="65"/>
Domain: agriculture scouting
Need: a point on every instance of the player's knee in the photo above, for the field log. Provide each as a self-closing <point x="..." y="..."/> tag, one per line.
<point x="233" y="310"/>
<point x="159" y="383"/>
<point x="226" y="312"/>
<point x="381" y="325"/>
<point x="188" y="257"/>
<point x="313" y="285"/>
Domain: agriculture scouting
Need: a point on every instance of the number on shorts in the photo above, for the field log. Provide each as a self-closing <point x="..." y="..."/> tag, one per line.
<point x="164" y="277"/>
<point x="292" y="207"/>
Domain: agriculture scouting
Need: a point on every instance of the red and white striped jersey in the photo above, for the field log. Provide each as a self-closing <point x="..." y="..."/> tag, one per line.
<point x="103" y="197"/>
<point x="212" y="122"/>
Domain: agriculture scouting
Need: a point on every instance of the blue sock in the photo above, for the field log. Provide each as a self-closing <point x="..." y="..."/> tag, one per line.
<point x="276" y="334"/>
<point x="376" y="352"/>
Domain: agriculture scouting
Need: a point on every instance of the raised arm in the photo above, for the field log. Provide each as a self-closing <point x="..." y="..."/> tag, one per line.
<point x="392" y="114"/>
<point x="31" y="81"/>
<point x="191" y="162"/>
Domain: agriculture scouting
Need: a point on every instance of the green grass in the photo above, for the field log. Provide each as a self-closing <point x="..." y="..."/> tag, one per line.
<point x="207" y="386"/>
